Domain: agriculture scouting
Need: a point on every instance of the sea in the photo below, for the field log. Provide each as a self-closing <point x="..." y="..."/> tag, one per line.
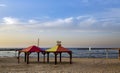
<point x="76" y="53"/>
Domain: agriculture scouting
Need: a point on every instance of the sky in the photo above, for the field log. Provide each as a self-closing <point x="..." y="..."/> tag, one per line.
<point x="77" y="23"/>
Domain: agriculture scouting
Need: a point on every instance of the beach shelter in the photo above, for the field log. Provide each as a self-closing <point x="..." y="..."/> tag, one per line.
<point x="58" y="49"/>
<point x="27" y="51"/>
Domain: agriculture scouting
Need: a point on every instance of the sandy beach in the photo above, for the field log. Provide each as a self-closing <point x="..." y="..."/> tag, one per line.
<point x="80" y="65"/>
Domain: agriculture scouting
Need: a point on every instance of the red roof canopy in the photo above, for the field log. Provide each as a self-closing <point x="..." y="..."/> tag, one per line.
<point x="32" y="49"/>
<point x="62" y="49"/>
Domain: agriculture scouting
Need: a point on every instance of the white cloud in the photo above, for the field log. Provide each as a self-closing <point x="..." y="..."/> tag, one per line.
<point x="10" y="24"/>
<point x="109" y="20"/>
<point x="69" y="20"/>
<point x="87" y="22"/>
<point x="80" y="17"/>
<point x="112" y="12"/>
<point x="55" y="23"/>
<point x="59" y="22"/>
<point x="32" y="21"/>
<point x="3" y="5"/>
<point x="80" y="23"/>
<point x="10" y="20"/>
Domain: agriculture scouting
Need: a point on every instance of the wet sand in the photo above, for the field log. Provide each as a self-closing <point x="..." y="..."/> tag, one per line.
<point x="79" y="65"/>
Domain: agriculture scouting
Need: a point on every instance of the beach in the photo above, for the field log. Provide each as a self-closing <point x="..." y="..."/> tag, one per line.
<point x="79" y="65"/>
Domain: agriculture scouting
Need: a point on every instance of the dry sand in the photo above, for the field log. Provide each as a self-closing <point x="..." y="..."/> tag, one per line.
<point x="80" y="65"/>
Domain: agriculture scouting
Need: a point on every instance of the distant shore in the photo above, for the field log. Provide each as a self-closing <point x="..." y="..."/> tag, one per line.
<point x="10" y="49"/>
<point x="80" y="65"/>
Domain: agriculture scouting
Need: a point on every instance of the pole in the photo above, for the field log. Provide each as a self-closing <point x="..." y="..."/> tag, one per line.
<point x="70" y="57"/>
<point x="44" y="57"/>
<point x="55" y="58"/>
<point x="60" y="57"/>
<point x="47" y="57"/>
<point x="18" y="56"/>
<point x="38" y="56"/>
<point x="25" y="57"/>
<point x="38" y="42"/>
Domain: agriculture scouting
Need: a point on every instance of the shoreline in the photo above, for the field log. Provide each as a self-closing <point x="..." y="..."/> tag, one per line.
<point x="79" y="65"/>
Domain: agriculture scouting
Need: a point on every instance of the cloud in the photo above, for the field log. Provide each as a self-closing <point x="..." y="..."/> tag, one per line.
<point x="112" y="12"/>
<point x="109" y="20"/>
<point x="59" y="23"/>
<point x="10" y="24"/>
<point x="105" y="22"/>
<point x="3" y="5"/>
<point x="32" y="21"/>
<point x="87" y="22"/>
<point x="10" y="21"/>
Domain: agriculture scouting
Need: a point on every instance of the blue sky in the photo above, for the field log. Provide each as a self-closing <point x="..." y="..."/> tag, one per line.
<point x="77" y="23"/>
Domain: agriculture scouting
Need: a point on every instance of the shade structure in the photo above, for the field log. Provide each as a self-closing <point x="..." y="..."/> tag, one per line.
<point x="32" y="49"/>
<point x="29" y="50"/>
<point x="58" y="49"/>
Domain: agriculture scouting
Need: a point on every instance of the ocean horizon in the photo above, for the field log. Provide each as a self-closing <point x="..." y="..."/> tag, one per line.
<point x="76" y="53"/>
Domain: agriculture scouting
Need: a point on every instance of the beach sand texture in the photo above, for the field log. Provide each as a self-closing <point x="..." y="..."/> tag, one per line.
<point x="80" y="65"/>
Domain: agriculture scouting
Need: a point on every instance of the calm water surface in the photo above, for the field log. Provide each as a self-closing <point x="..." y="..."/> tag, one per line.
<point x="77" y="52"/>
